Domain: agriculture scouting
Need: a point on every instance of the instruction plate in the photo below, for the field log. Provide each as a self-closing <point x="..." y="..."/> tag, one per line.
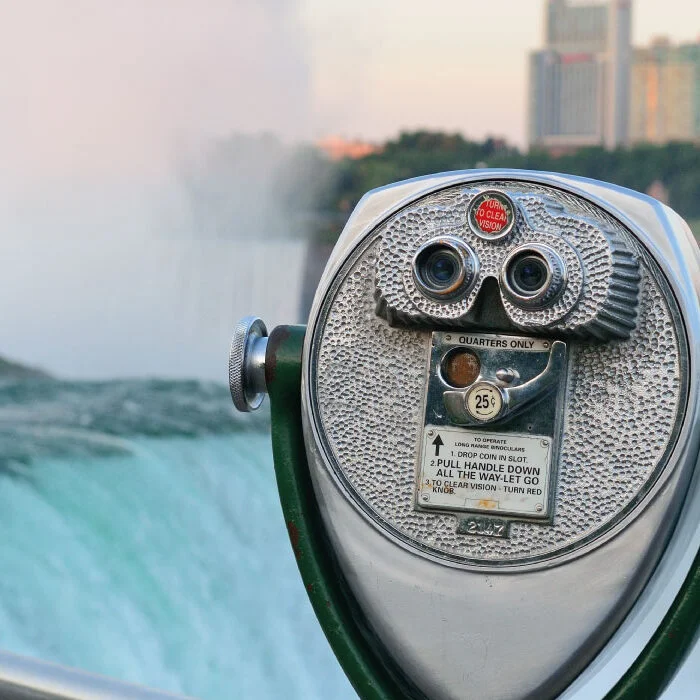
<point x="485" y="472"/>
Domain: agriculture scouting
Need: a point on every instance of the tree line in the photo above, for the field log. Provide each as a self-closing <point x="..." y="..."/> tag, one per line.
<point x="259" y="185"/>
<point x="334" y="188"/>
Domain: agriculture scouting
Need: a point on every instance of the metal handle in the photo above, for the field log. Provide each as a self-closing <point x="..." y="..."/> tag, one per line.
<point x="246" y="364"/>
<point x="513" y="398"/>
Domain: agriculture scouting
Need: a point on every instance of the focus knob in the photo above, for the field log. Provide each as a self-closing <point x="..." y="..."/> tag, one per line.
<point x="246" y="364"/>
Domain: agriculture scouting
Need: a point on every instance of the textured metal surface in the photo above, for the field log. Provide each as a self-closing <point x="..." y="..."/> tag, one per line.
<point x="600" y="297"/>
<point x="625" y="398"/>
<point x="246" y="364"/>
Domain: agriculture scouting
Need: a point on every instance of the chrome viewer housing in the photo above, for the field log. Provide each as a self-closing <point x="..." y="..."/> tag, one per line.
<point x="583" y="379"/>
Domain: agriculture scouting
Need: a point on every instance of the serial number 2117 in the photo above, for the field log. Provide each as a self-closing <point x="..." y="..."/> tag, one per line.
<point x="489" y="527"/>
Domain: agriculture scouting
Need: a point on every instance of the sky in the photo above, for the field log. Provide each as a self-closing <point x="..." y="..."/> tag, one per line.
<point x="106" y="271"/>
<point x="99" y="87"/>
<point x="378" y="67"/>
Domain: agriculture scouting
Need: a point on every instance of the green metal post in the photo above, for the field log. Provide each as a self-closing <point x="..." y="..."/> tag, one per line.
<point x="370" y="670"/>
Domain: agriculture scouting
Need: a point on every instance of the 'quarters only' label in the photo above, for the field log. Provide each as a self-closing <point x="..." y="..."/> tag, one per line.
<point x="497" y="473"/>
<point x="500" y="342"/>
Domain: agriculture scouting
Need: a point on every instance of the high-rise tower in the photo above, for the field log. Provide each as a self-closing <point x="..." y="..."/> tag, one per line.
<point x="665" y="103"/>
<point x="580" y="80"/>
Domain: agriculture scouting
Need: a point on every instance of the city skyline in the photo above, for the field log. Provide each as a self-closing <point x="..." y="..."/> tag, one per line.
<point x="518" y="30"/>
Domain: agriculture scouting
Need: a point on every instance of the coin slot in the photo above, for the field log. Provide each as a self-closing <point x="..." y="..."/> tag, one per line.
<point x="460" y="368"/>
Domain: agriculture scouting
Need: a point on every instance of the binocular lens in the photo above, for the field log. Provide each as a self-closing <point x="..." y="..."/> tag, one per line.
<point x="444" y="268"/>
<point x="528" y="273"/>
<point x="533" y="276"/>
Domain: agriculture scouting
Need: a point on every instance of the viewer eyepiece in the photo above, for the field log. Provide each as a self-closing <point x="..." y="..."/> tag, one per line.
<point x="533" y="276"/>
<point x="445" y="268"/>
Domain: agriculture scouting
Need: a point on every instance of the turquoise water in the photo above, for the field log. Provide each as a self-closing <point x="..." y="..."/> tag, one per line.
<point x="142" y="538"/>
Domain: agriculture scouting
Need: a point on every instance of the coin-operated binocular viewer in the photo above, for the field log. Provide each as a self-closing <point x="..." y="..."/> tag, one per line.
<point x="485" y="439"/>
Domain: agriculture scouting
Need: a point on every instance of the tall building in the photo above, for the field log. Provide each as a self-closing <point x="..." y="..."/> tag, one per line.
<point x="579" y="82"/>
<point x="665" y="99"/>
